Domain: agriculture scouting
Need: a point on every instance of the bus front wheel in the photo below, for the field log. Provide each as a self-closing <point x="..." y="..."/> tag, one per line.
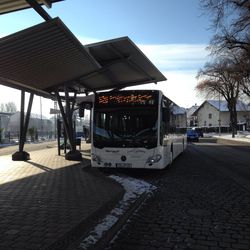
<point x="170" y="159"/>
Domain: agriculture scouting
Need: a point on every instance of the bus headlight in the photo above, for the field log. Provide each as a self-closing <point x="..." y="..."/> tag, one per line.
<point x="154" y="159"/>
<point x="96" y="158"/>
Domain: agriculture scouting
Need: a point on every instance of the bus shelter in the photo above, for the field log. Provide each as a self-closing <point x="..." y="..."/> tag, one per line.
<point x="48" y="60"/>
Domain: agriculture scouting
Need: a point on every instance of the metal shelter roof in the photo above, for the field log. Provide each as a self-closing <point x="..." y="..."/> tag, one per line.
<point x="123" y="64"/>
<point x="7" y="6"/>
<point x="47" y="56"/>
<point x="43" y="57"/>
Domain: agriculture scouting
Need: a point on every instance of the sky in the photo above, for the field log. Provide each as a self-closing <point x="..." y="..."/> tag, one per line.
<point x="173" y="34"/>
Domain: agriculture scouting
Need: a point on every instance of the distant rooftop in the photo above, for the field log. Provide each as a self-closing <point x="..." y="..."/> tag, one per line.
<point x="34" y="116"/>
<point x="178" y="110"/>
<point x="222" y="105"/>
<point x="190" y="111"/>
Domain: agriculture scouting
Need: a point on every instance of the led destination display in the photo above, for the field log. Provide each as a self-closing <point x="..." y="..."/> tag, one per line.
<point x="127" y="98"/>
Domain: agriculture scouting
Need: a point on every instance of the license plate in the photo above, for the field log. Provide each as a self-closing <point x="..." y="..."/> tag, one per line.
<point x="124" y="165"/>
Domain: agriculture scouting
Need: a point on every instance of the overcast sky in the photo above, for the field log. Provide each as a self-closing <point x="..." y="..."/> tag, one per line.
<point x="173" y="34"/>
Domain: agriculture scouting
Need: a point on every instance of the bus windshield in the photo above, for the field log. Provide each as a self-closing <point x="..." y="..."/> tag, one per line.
<point x="125" y="127"/>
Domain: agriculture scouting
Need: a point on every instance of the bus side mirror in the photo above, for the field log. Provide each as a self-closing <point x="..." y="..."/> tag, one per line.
<point x="81" y="110"/>
<point x="83" y="106"/>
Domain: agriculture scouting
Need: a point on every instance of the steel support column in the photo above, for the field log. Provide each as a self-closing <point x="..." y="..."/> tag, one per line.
<point x="24" y="123"/>
<point x="67" y="114"/>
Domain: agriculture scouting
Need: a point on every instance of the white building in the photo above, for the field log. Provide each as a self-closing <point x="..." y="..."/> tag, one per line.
<point x="211" y="112"/>
<point x="4" y="123"/>
<point x="191" y="117"/>
<point x="180" y="117"/>
<point x="44" y="126"/>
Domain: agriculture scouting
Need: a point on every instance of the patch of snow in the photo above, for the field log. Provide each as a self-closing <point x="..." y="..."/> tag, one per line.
<point x="134" y="188"/>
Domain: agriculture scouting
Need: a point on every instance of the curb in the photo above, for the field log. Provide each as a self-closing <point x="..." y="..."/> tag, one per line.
<point x="73" y="237"/>
<point x="232" y="142"/>
<point x="208" y="139"/>
<point x="222" y="140"/>
<point x="109" y="235"/>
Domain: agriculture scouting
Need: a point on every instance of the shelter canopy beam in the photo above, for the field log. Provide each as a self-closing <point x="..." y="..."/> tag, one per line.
<point x="39" y="9"/>
<point x="130" y="62"/>
<point x="47" y="3"/>
<point x="128" y="84"/>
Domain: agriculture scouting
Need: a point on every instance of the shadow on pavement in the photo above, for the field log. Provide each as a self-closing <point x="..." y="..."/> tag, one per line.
<point x="50" y="210"/>
<point x="40" y="166"/>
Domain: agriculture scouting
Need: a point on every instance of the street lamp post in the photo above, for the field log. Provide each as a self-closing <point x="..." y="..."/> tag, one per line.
<point x="0" y="129"/>
<point x="219" y="118"/>
<point x="41" y="116"/>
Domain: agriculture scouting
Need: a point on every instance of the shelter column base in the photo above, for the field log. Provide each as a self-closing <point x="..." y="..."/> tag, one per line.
<point x="74" y="156"/>
<point x="20" y="156"/>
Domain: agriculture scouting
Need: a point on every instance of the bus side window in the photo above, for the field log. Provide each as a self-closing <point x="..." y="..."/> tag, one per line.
<point x="163" y="124"/>
<point x="162" y="133"/>
<point x="166" y="119"/>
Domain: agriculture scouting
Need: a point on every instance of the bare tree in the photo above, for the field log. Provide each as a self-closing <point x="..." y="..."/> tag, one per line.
<point x="221" y="77"/>
<point x="243" y="66"/>
<point x="231" y="23"/>
<point x="1" y="131"/>
<point x="2" y="108"/>
<point x="9" y="107"/>
<point x="32" y="132"/>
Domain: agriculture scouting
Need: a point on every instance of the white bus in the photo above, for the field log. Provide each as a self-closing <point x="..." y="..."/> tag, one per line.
<point x="136" y="129"/>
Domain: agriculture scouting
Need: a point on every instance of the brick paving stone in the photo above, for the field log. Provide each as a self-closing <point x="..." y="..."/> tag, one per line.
<point x="194" y="207"/>
<point x="49" y="201"/>
<point x="224" y="244"/>
<point x="240" y="246"/>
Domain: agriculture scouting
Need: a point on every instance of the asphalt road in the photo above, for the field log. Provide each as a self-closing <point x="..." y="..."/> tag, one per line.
<point x="233" y="160"/>
<point x="202" y="202"/>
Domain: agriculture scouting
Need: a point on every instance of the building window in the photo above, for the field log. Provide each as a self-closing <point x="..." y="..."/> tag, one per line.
<point x="210" y="116"/>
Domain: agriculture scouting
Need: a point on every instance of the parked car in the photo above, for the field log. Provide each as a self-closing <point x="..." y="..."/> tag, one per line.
<point x="192" y="135"/>
<point x="199" y="131"/>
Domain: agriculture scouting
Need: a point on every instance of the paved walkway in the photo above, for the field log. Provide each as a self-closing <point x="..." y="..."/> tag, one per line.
<point x="48" y="202"/>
